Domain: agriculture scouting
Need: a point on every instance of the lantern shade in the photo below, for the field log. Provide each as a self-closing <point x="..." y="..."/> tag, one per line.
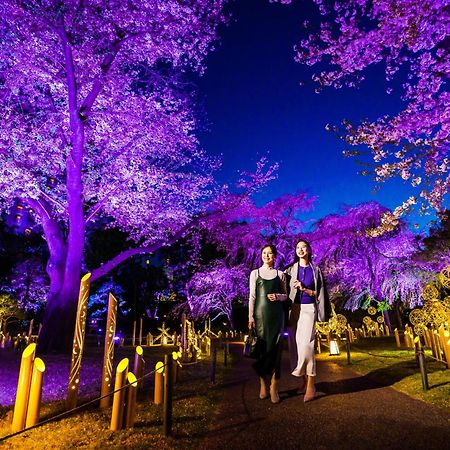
<point x="334" y="348"/>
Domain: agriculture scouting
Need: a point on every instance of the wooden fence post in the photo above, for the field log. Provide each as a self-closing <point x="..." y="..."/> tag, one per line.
<point x="167" y="407"/>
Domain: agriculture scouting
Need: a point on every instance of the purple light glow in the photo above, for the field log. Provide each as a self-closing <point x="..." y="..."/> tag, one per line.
<point x="52" y="139"/>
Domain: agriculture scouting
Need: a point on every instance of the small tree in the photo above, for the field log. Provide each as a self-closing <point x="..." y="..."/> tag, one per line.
<point x="9" y="310"/>
<point x="28" y="283"/>
<point x="212" y="292"/>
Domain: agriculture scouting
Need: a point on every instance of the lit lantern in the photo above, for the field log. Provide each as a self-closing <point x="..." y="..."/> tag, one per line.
<point x="334" y="348"/>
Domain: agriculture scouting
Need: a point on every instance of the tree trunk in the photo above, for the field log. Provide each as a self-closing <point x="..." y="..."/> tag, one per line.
<point x="59" y="320"/>
<point x="230" y="320"/>
<point x="387" y="320"/>
<point x="398" y="315"/>
<point x="60" y="313"/>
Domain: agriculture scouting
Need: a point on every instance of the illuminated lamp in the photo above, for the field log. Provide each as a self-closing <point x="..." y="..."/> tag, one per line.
<point x="334" y="348"/>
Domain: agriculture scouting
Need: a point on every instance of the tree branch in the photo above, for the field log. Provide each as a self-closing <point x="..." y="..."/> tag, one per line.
<point x="93" y="211"/>
<point x="50" y="199"/>
<point x="121" y="257"/>
<point x="98" y="82"/>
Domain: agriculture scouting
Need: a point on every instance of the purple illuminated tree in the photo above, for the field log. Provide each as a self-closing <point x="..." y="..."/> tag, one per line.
<point x="242" y="232"/>
<point x="212" y="292"/>
<point x="412" y="38"/>
<point x="237" y="237"/>
<point x="96" y="121"/>
<point x="98" y="305"/>
<point x="361" y="267"/>
<point x="28" y="284"/>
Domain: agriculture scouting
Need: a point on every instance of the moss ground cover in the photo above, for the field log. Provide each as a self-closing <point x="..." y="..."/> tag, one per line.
<point x="382" y="361"/>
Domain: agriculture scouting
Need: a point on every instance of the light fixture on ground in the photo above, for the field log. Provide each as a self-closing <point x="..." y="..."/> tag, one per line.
<point x="334" y="348"/>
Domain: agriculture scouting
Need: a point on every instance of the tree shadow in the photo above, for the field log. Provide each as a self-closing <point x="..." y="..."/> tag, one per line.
<point x="382" y="377"/>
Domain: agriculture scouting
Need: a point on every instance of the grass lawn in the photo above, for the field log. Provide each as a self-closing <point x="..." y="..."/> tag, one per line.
<point x="382" y="361"/>
<point x="194" y="400"/>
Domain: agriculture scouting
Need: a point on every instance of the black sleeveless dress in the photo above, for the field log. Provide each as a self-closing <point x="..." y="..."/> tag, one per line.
<point x="269" y="326"/>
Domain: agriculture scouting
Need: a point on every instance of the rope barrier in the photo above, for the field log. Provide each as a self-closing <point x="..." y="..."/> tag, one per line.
<point x="71" y="411"/>
<point x="84" y="405"/>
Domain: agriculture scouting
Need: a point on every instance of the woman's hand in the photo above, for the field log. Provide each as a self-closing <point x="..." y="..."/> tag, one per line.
<point x="251" y="324"/>
<point x="272" y="297"/>
<point x="298" y="285"/>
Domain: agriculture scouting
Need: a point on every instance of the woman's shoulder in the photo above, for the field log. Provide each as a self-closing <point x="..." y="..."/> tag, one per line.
<point x="281" y="274"/>
<point x="289" y="268"/>
<point x="316" y="269"/>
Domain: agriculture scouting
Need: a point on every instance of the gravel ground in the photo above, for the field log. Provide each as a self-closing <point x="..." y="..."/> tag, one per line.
<point x="350" y="412"/>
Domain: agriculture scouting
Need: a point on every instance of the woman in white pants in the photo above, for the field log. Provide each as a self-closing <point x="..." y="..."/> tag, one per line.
<point x="310" y="303"/>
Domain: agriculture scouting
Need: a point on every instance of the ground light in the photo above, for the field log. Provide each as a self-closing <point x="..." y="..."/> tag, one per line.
<point x="334" y="348"/>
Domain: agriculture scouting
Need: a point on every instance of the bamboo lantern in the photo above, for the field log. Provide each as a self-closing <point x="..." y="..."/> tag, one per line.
<point x="159" y="383"/>
<point x="108" y="356"/>
<point x="23" y="388"/>
<point x="34" y="402"/>
<point x="78" y="342"/>
<point x="119" y="395"/>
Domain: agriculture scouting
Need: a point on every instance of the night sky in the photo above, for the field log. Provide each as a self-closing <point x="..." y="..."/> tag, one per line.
<point x="256" y="106"/>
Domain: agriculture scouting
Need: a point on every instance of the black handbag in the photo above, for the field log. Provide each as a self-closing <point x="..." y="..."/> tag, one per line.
<point x="251" y="345"/>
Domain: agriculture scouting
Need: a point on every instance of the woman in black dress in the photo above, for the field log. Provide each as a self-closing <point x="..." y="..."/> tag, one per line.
<point x="266" y="315"/>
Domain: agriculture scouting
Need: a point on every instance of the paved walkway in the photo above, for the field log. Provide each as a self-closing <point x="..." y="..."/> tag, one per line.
<point x="350" y="412"/>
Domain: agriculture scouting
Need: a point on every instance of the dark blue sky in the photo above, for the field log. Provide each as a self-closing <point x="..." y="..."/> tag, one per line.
<point x="255" y="104"/>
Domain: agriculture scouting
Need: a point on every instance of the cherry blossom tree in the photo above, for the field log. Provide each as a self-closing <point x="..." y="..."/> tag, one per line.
<point x="360" y="266"/>
<point x="98" y="305"/>
<point x="242" y="232"/>
<point x="237" y="237"/>
<point x="412" y="38"/>
<point x="437" y="244"/>
<point x="212" y="291"/>
<point x="96" y="121"/>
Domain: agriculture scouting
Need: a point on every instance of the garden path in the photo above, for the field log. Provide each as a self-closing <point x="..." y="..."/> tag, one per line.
<point x="350" y="412"/>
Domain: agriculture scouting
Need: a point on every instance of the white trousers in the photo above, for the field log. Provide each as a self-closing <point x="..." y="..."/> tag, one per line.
<point x="302" y="334"/>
